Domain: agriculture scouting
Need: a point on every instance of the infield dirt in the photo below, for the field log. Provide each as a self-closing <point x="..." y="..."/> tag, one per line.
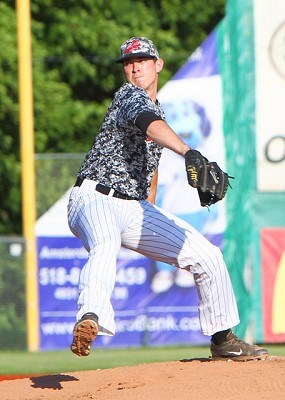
<point x="185" y="379"/>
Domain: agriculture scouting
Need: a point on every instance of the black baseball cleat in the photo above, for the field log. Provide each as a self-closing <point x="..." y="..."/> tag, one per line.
<point x="84" y="333"/>
<point x="237" y="350"/>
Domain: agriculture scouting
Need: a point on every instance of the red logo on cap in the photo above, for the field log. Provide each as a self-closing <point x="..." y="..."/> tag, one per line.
<point x="135" y="45"/>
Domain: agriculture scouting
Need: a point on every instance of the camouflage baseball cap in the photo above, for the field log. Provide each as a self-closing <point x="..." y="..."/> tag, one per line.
<point x="137" y="47"/>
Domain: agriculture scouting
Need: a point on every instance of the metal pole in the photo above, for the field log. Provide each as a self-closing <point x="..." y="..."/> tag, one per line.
<point x="28" y="168"/>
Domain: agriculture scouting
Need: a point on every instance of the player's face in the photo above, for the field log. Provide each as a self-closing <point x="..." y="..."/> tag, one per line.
<point x="143" y="72"/>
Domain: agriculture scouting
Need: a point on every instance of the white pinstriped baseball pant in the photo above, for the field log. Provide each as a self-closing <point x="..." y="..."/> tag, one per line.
<point x="104" y="224"/>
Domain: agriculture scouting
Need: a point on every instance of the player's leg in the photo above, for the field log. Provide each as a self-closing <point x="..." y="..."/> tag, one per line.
<point x="94" y="222"/>
<point x="161" y="236"/>
<point x="96" y="219"/>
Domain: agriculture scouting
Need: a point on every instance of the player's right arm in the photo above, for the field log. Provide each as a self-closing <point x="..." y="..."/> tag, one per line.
<point x="161" y="133"/>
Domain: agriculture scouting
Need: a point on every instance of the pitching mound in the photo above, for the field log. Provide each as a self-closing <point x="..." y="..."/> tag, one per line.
<point x="184" y="379"/>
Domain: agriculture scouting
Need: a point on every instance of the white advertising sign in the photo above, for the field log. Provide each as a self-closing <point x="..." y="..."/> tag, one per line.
<point x="269" y="23"/>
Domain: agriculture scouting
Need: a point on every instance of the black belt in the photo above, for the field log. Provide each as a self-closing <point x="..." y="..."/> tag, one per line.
<point x="105" y="190"/>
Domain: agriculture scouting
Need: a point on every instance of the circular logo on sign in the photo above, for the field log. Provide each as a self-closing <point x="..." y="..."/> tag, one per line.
<point x="277" y="50"/>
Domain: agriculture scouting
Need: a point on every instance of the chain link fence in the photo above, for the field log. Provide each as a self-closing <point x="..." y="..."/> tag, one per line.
<point x="55" y="174"/>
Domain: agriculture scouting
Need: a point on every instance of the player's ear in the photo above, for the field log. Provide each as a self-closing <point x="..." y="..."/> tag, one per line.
<point x="159" y="65"/>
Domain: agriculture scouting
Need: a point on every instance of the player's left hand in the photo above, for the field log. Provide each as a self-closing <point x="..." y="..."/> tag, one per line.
<point x="207" y="177"/>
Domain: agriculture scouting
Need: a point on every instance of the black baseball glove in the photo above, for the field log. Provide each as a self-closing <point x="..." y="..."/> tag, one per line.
<point x="207" y="177"/>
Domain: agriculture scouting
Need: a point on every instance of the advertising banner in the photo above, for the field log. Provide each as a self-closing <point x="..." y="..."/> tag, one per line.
<point x="59" y="263"/>
<point x="192" y="101"/>
<point x="269" y="35"/>
<point x="273" y="284"/>
<point x="143" y="317"/>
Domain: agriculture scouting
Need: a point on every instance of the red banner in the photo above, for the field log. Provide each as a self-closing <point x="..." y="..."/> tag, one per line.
<point x="273" y="284"/>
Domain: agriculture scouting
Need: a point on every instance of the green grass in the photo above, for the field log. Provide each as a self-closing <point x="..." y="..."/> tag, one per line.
<point x="65" y="361"/>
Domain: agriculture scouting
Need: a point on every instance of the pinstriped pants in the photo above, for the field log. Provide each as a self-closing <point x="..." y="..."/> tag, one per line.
<point x="104" y="224"/>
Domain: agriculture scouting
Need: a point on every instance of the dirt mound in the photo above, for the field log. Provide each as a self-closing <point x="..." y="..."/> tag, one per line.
<point x="184" y="379"/>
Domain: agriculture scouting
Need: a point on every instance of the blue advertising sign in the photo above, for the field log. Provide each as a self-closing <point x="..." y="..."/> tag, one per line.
<point x="144" y="316"/>
<point x="59" y="263"/>
<point x="203" y="62"/>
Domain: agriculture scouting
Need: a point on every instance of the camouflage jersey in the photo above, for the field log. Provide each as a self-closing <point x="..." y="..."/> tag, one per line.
<point x="122" y="156"/>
